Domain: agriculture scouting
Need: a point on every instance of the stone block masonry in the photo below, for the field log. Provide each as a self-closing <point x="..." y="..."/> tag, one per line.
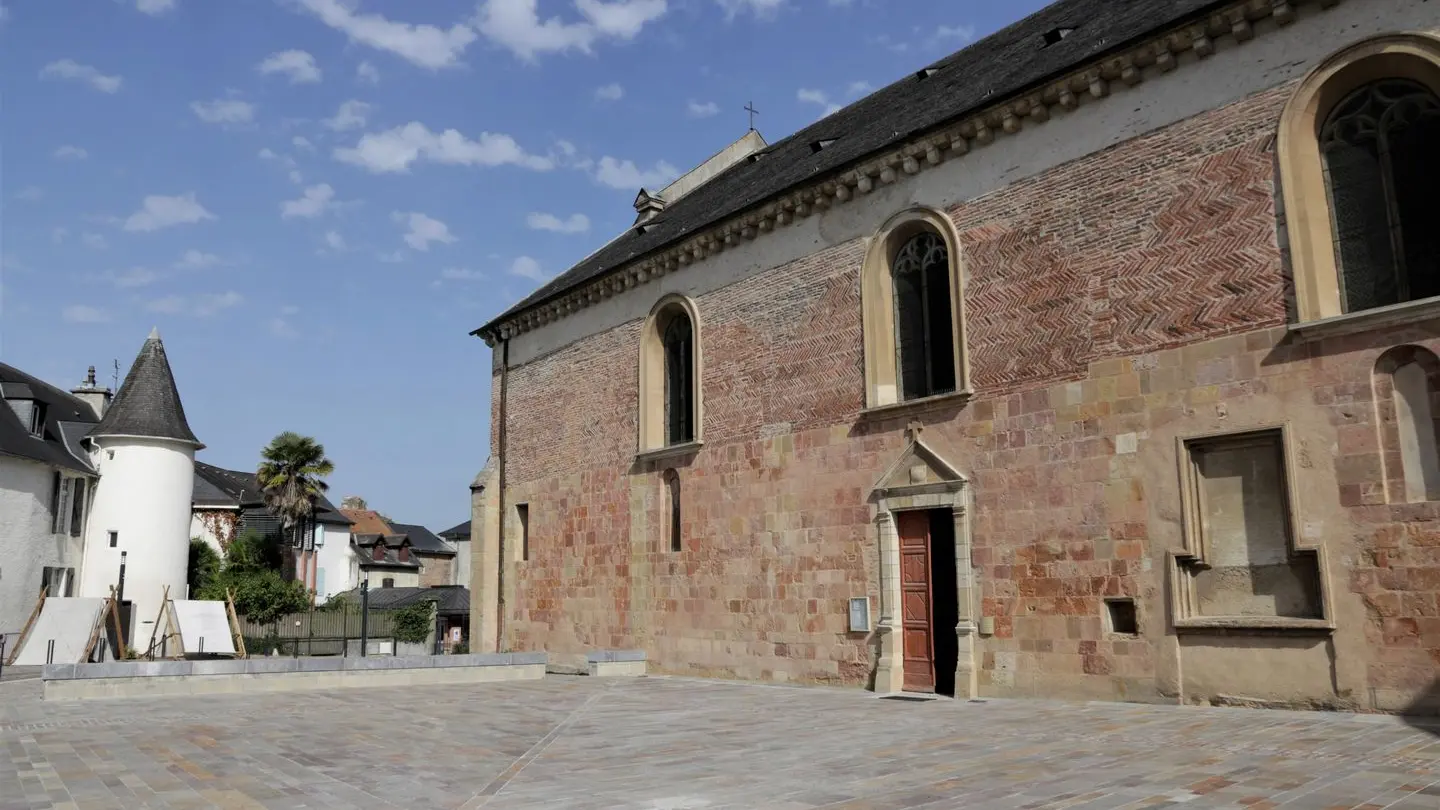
<point x="171" y="678"/>
<point x="1117" y="307"/>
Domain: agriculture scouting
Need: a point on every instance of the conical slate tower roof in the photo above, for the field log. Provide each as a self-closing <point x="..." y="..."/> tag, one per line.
<point x="148" y="404"/>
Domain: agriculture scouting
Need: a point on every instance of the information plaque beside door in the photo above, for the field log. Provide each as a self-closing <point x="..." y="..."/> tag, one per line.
<point x="860" y="614"/>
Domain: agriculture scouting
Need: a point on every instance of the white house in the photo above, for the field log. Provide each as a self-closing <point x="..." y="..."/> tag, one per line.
<point x="86" y="483"/>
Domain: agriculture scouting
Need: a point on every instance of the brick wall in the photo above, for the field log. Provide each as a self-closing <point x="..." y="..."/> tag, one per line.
<point x="1114" y="304"/>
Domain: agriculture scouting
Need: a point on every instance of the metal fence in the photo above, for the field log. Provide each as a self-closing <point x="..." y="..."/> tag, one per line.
<point x="315" y="632"/>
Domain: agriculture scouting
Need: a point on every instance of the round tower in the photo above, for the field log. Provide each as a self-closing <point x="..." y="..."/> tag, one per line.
<point x="145" y="452"/>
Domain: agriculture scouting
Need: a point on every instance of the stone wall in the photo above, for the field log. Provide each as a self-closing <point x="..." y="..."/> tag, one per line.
<point x="1116" y="306"/>
<point x="436" y="569"/>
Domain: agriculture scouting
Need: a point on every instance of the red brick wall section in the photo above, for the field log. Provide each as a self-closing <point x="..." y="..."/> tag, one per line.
<point x="1082" y="286"/>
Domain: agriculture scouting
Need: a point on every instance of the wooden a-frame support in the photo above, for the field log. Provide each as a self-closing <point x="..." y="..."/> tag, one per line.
<point x="25" y="631"/>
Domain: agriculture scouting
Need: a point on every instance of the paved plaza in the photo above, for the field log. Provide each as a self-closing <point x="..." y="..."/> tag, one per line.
<point x="680" y="744"/>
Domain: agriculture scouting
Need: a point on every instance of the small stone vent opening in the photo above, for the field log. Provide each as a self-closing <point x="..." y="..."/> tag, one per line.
<point x="1122" y="616"/>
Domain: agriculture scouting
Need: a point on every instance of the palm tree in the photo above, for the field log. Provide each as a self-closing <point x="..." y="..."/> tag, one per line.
<point x="291" y="477"/>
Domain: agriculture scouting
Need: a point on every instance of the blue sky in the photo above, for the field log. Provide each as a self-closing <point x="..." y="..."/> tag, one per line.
<point x="316" y="200"/>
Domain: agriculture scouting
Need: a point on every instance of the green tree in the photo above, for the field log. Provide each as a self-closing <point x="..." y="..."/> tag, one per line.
<point x="204" y="565"/>
<point x="251" y="572"/>
<point x="413" y="622"/>
<point x="291" y="475"/>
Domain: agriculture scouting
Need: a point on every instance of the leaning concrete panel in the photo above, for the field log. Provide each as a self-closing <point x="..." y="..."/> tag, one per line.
<point x="69" y="622"/>
<point x="204" y="626"/>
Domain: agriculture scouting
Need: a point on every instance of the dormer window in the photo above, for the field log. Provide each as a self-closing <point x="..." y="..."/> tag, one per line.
<point x="378" y="552"/>
<point x="31" y="414"/>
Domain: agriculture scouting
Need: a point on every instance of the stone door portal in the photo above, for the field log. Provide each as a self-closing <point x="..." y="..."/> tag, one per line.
<point x="916" y="602"/>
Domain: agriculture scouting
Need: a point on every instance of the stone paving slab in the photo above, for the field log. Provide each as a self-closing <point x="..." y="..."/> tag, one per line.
<point x="681" y="744"/>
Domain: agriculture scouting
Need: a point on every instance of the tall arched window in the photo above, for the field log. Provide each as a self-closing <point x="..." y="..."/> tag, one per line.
<point x="671" y="359"/>
<point x="1381" y="171"/>
<point x="913" y="310"/>
<point x="679" y="346"/>
<point x="1357" y="170"/>
<point x="924" y="339"/>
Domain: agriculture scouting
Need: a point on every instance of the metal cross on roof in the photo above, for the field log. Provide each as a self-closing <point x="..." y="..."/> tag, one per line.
<point x="750" y="108"/>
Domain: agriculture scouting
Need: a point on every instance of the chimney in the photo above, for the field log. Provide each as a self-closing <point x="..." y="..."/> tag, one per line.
<point x="92" y="394"/>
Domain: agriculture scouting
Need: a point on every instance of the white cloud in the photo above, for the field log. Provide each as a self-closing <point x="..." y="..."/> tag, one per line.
<point x="134" y="277"/>
<point x="423" y="230"/>
<point x="302" y="142"/>
<point x="624" y="174"/>
<point x="196" y="260"/>
<point x="702" y="110"/>
<point x="154" y="7"/>
<point x="760" y="8"/>
<point x="334" y="240"/>
<point x="575" y="223"/>
<point x="610" y="92"/>
<point x="394" y="150"/>
<point x="298" y="65"/>
<point x="296" y="177"/>
<point x="817" y="97"/>
<point x="281" y="328"/>
<point x="350" y="115"/>
<point x="224" y="111"/>
<point x="82" y="313"/>
<point x="196" y="306"/>
<point x="158" y="212"/>
<point x="94" y="240"/>
<point x="860" y="87"/>
<point x="964" y="33"/>
<point x="516" y="24"/>
<point x="315" y="201"/>
<point x="395" y="257"/>
<point x="70" y="69"/>
<point x="68" y="152"/>
<point x="58" y="234"/>
<point x="461" y="274"/>
<point x="526" y="267"/>
<point x="368" y="73"/>
<point x="425" y="45"/>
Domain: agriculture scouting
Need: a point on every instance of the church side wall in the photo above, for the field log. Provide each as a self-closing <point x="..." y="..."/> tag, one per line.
<point x="1117" y="304"/>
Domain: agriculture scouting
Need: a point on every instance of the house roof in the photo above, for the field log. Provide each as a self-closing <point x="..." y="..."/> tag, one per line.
<point x="219" y="487"/>
<point x="148" y="403"/>
<point x="451" y="599"/>
<point x="457" y="534"/>
<point x="67" y="419"/>
<point x="367" y="521"/>
<point x="1002" y="65"/>
<point x="364" y="545"/>
<point x="423" y="540"/>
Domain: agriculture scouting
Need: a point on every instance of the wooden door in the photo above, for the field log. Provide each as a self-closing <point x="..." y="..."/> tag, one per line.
<point x="917" y="631"/>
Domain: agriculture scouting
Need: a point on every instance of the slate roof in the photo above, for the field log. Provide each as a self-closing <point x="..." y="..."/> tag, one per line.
<point x="451" y="599"/>
<point x="457" y="534"/>
<point x="67" y="419"/>
<point x="423" y="540"/>
<point x="1002" y="65"/>
<point x="219" y="487"/>
<point x="364" y="550"/>
<point x="148" y="403"/>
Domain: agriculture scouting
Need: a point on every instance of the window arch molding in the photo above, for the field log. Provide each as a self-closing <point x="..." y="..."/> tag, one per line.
<point x="877" y="290"/>
<point x="1308" y="215"/>
<point x="653" y="434"/>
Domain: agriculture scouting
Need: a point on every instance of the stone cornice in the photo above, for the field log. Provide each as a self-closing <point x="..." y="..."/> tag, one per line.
<point x="1093" y="81"/>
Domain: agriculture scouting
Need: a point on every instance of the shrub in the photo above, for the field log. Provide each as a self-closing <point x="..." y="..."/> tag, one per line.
<point x="413" y="622"/>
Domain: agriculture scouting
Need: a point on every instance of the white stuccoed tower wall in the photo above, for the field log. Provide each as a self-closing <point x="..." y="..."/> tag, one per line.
<point x="145" y="452"/>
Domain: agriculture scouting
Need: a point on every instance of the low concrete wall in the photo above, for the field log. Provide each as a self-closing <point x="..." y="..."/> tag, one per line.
<point x="165" y="678"/>
<point x="616" y="663"/>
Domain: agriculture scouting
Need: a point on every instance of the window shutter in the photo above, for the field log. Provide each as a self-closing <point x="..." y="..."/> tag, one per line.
<point x="55" y="503"/>
<point x="77" y="508"/>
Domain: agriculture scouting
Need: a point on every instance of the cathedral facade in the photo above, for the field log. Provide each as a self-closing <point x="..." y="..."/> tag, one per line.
<point x="1096" y="360"/>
